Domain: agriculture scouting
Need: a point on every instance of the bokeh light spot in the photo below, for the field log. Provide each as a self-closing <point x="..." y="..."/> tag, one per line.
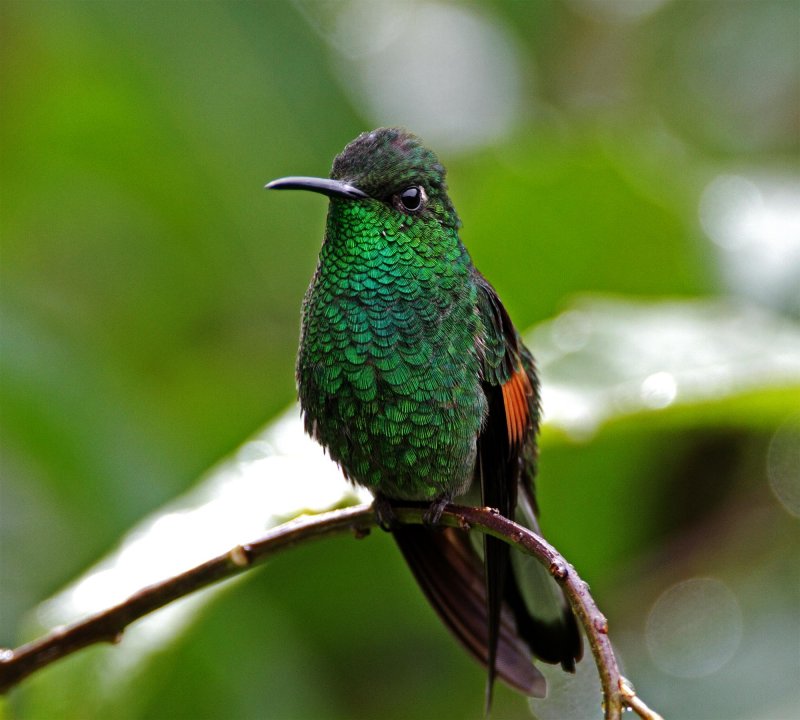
<point x="571" y="330"/>
<point x="755" y="223"/>
<point x="659" y="390"/>
<point x="694" y="628"/>
<point x="448" y="72"/>
<point x="783" y="465"/>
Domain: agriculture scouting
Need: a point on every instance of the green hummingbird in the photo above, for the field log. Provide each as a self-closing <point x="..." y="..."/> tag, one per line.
<point x="413" y="378"/>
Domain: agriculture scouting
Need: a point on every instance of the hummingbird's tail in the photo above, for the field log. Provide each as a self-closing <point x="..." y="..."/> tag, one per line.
<point x="544" y="617"/>
<point x="535" y="620"/>
<point x="451" y="574"/>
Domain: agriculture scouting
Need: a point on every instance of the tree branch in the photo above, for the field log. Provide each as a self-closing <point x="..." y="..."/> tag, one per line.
<point x="109" y="625"/>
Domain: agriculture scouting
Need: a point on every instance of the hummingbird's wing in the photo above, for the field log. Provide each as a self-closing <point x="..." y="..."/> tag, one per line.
<point x="506" y="468"/>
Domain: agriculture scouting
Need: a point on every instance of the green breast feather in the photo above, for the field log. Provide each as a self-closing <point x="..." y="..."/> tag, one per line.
<point x="388" y="367"/>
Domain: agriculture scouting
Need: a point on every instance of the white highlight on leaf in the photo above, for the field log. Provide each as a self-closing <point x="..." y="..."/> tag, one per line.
<point x="278" y="475"/>
<point x="634" y="357"/>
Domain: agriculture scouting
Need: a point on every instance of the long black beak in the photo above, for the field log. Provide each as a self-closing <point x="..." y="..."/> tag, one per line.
<point x="331" y="188"/>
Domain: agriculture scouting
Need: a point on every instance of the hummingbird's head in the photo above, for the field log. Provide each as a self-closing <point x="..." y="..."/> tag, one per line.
<point x="390" y="166"/>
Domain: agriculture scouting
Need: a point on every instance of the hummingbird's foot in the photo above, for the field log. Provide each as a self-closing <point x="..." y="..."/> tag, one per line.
<point x="384" y="513"/>
<point x="434" y="513"/>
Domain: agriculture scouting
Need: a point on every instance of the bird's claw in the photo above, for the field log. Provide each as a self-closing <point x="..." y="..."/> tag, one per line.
<point x="434" y="512"/>
<point x="385" y="516"/>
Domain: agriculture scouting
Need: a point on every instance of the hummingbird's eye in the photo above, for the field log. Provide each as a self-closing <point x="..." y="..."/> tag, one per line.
<point x="411" y="199"/>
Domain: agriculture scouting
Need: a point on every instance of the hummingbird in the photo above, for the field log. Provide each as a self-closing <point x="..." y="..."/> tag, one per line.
<point x="413" y="378"/>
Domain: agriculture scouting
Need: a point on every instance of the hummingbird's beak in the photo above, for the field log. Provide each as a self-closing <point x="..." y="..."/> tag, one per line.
<point x="326" y="186"/>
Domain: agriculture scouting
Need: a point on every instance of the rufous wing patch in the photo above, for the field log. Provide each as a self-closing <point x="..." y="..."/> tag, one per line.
<point x="516" y="391"/>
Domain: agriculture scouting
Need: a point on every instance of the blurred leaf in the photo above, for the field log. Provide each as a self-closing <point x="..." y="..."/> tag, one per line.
<point x="703" y="361"/>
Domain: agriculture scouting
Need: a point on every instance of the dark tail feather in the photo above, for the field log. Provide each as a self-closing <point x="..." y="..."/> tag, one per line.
<point x="497" y="470"/>
<point x="544" y="617"/>
<point x="497" y="555"/>
<point x="555" y="639"/>
<point x="451" y="575"/>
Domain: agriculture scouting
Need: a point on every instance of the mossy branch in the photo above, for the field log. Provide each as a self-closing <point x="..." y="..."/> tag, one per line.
<point x="109" y="625"/>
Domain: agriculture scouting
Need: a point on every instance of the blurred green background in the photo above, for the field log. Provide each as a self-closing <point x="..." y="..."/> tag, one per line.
<point x="643" y="150"/>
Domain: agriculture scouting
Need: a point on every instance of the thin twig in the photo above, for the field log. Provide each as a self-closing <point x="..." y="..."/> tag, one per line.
<point x="634" y="702"/>
<point x="109" y="625"/>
